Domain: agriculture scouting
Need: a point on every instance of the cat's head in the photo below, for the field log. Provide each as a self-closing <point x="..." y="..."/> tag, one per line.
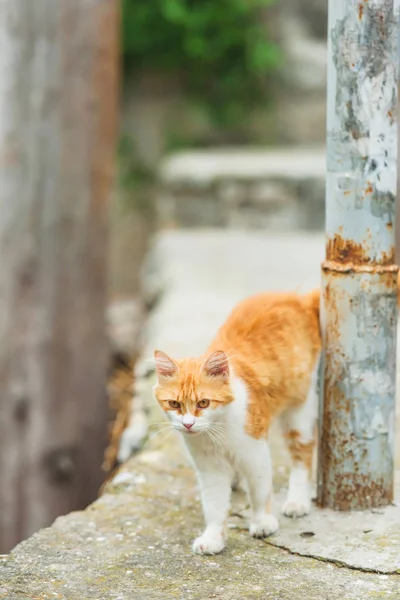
<point x="194" y="391"/>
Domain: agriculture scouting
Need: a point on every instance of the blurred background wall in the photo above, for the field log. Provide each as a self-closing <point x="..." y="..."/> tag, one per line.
<point x="213" y="75"/>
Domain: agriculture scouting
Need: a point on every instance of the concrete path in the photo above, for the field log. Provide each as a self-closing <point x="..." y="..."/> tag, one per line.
<point x="203" y="273"/>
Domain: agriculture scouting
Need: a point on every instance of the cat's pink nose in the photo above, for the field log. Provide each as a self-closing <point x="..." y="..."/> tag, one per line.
<point x="188" y="425"/>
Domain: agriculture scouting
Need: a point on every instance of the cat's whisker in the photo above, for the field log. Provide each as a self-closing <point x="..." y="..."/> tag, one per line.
<point x="218" y="444"/>
<point x="159" y="432"/>
<point x="213" y="440"/>
<point x="159" y="429"/>
<point x="222" y="441"/>
<point x="219" y="434"/>
<point x="201" y="428"/>
<point x="216" y="434"/>
<point x="165" y="436"/>
<point x="220" y="426"/>
<point x="223" y="431"/>
<point x="159" y="424"/>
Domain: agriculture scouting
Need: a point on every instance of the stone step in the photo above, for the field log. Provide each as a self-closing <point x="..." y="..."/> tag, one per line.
<point x="244" y="188"/>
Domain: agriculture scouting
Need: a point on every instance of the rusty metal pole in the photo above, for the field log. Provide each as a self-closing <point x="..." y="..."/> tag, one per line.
<point x="359" y="312"/>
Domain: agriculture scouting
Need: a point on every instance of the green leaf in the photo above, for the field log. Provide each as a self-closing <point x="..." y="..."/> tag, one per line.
<point x="263" y="56"/>
<point x="173" y="10"/>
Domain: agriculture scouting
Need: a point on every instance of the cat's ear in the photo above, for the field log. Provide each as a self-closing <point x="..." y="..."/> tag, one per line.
<point x="165" y="366"/>
<point x="217" y="365"/>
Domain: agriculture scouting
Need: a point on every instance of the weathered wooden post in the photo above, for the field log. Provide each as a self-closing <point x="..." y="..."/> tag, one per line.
<point x="359" y="275"/>
<point x="58" y="104"/>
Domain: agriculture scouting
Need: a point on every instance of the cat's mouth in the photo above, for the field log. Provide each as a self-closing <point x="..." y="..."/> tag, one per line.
<point x="189" y="431"/>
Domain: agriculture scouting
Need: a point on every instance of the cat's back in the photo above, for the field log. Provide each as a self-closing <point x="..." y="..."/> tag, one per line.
<point x="275" y="316"/>
<point x="273" y="338"/>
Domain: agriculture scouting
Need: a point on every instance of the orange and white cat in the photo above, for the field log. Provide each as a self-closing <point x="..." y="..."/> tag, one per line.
<point x="262" y="365"/>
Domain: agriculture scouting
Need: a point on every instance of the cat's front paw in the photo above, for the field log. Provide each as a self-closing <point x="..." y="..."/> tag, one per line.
<point x="208" y="544"/>
<point x="296" y="508"/>
<point x="264" y="526"/>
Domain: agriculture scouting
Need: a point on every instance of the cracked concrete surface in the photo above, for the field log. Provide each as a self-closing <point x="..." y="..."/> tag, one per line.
<point x="134" y="543"/>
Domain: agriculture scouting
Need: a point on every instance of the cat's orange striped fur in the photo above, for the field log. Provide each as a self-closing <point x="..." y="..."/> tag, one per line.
<point x="262" y="365"/>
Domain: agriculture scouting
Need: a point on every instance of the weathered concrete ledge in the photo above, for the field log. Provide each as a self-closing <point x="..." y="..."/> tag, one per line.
<point x="134" y="543"/>
<point x="244" y="188"/>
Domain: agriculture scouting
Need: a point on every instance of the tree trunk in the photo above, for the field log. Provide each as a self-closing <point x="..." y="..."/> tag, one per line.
<point x="58" y="104"/>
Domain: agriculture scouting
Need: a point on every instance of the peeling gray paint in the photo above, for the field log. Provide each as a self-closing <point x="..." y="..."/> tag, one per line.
<point x="361" y="127"/>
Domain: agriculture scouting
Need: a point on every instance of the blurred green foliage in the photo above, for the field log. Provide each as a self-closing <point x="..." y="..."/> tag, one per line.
<point x="219" y="47"/>
<point x="135" y="179"/>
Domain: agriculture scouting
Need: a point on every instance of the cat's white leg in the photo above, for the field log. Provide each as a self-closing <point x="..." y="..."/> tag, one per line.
<point x="258" y="471"/>
<point x="215" y="485"/>
<point x="299" y="427"/>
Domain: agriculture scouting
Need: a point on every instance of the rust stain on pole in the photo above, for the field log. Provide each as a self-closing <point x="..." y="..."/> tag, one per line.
<point x="343" y="250"/>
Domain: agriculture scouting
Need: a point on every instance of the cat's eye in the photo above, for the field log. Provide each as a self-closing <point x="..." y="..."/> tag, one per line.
<point x="203" y="403"/>
<point x="174" y="404"/>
